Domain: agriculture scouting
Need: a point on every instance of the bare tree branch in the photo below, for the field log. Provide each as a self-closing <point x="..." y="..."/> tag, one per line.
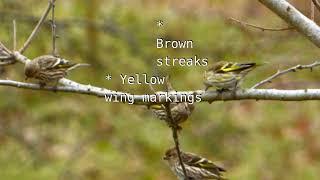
<point x="14" y="35"/>
<point x="19" y="57"/>
<point x="295" y="18"/>
<point x="53" y="28"/>
<point x="259" y="27"/>
<point x="280" y="73"/>
<point x="317" y="4"/>
<point x="209" y="96"/>
<point x="36" y="29"/>
<point x="5" y="49"/>
<point x="6" y="57"/>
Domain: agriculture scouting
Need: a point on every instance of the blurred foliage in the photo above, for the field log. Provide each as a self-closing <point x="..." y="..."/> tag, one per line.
<point x="48" y="135"/>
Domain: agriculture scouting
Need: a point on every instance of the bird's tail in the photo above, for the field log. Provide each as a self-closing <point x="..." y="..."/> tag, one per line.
<point x="76" y="66"/>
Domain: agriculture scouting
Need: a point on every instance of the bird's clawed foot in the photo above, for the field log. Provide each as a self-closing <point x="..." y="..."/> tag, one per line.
<point x="175" y="126"/>
<point x="220" y="92"/>
<point x="54" y="88"/>
<point x="234" y="92"/>
<point x="42" y="84"/>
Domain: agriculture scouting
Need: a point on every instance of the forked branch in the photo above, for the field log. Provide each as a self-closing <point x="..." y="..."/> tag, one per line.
<point x="280" y="73"/>
<point x="36" y="29"/>
<point x="260" y="27"/>
<point x="316" y="4"/>
<point x="295" y="18"/>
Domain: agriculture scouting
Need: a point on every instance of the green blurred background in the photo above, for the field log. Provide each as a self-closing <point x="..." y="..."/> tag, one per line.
<point x="46" y="135"/>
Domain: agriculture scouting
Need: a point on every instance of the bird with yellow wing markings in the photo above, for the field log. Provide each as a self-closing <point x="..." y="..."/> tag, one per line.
<point x="227" y="75"/>
<point x="197" y="167"/>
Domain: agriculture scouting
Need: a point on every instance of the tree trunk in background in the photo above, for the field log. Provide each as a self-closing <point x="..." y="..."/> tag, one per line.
<point x="92" y="34"/>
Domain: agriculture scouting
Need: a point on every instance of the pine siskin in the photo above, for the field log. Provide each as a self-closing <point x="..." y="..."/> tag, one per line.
<point x="179" y="112"/>
<point x="197" y="168"/>
<point x="48" y="68"/>
<point x="227" y="75"/>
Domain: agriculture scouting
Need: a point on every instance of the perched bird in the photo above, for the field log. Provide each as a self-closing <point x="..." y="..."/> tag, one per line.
<point x="48" y="68"/>
<point x="179" y="112"/>
<point x="197" y="168"/>
<point x="227" y="75"/>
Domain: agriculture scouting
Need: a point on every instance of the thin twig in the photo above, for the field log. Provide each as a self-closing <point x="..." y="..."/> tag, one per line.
<point x="174" y="128"/>
<point x="311" y="10"/>
<point x="259" y="27"/>
<point x="53" y="27"/>
<point x="175" y="137"/>
<point x="316" y="3"/>
<point x="5" y="63"/>
<point x="168" y="84"/>
<point x="14" y="35"/>
<point x="36" y="29"/>
<point x="5" y="57"/>
<point x="280" y="73"/>
<point x="5" y="49"/>
<point x="154" y="91"/>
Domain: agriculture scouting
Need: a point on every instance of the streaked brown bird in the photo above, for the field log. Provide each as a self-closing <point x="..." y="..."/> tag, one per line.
<point x="197" y="167"/>
<point x="180" y="112"/>
<point x="48" y="68"/>
<point x="227" y="75"/>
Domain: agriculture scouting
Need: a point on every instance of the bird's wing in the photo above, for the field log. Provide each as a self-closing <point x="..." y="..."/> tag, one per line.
<point x="46" y="61"/>
<point x="198" y="161"/>
<point x="161" y="106"/>
<point x="236" y="67"/>
<point x="157" y="107"/>
<point x="51" y="62"/>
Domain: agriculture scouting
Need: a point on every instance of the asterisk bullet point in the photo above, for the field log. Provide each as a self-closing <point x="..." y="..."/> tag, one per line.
<point x="108" y="77"/>
<point x="160" y="23"/>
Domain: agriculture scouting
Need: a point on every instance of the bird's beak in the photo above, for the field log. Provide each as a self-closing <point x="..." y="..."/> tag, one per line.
<point x="165" y="158"/>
